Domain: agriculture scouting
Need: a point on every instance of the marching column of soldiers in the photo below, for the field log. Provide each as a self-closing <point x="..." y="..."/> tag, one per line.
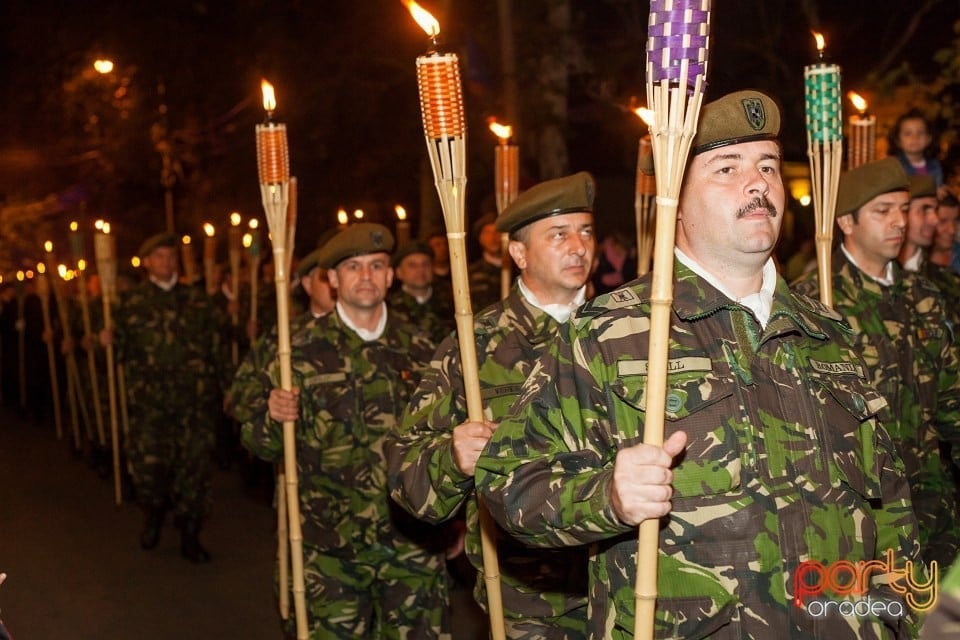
<point x="800" y="438"/>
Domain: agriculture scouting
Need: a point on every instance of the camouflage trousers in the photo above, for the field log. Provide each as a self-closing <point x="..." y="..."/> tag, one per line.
<point x="374" y="595"/>
<point x="169" y="449"/>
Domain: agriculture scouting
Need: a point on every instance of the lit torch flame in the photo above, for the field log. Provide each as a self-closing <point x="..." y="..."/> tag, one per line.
<point x="342" y="216"/>
<point x="209" y="229"/>
<point x="185" y="239"/>
<point x="858" y="102"/>
<point x="423" y="17"/>
<point x="98" y="225"/>
<point x="401" y="212"/>
<point x="247" y="240"/>
<point x="254" y="223"/>
<point x="20" y="276"/>
<point x="235" y="219"/>
<point x="106" y="228"/>
<point x="48" y="246"/>
<point x="502" y="131"/>
<point x="41" y="268"/>
<point x="358" y="214"/>
<point x="269" y="97"/>
<point x="821" y="43"/>
<point x="74" y="226"/>
<point x="645" y="114"/>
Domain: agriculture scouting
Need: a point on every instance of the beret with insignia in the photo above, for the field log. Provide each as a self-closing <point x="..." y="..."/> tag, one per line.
<point x="157" y="240"/>
<point x="861" y="185"/>
<point x="410" y="248"/>
<point x="570" y="194"/>
<point x="922" y="187"/>
<point x="355" y="240"/>
<point x="742" y="116"/>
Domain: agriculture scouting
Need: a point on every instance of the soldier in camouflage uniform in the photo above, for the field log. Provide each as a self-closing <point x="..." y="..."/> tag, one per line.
<point x="368" y="570"/>
<point x="169" y="340"/>
<point x="901" y="330"/>
<point x="433" y="455"/>
<point x="773" y="457"/>
<point x="485" y="270"/>
<point x="424" y="305"/>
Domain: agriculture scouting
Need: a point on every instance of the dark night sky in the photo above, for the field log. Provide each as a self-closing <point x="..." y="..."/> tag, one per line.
<point x="344" y="72"/>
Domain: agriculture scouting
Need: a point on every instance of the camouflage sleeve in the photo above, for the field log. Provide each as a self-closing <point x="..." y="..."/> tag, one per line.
<point x="424" y="479"/>
<point x="546" y="472"/>
<point x="246" y="396"/>
<point x="947" y="417"/>
<point x="260" y="434"/>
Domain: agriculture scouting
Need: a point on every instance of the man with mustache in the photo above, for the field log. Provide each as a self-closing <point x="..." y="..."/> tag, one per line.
<point x="773" y="455"/>
<point x="899" y="323"/>
<point x="432" y="456"/>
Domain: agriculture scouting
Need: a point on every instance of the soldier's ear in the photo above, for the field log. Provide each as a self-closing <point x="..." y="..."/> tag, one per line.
<point x="332" y="278"/>
<point x="518" y="251"/>
<point x="845" y="222"/>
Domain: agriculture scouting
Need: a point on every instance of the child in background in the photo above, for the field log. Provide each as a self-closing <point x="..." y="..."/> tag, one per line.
<point x="912" y="142"/>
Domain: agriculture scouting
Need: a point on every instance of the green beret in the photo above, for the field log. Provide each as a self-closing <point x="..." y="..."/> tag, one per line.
<point x="158" y="240"/>
<point x="308" y="264"/>
<point x="570" y="194"/>
<point x="861" y="185"/>
<point x="742" y="116"/>
<point x="355" y="240"/>
<point x="922" y="187"/>
<point x="414" y="246"/>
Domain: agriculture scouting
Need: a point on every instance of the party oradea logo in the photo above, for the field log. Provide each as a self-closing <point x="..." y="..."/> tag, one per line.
<point x="844" y="588"/>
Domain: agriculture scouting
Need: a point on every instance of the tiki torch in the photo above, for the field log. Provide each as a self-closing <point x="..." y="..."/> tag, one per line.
<point x="251" y="242"/>
<point x="441" y="105"/>
<point x="863" y="134"/>
<point x="105" y="251"/>
<point x="210" y="258"/>
<point x="825" y="150"/>
<point x="22" y="336"/>
<point x="234" y="252"/>
<point x="189" y="263"/>
<point x="506" y="177"/>
<point x="43" y="291"/>
<point x="646" y="190"/>
<point x="77" y="248"/>
<point x="343" y="218"/>
<point x="70" y="360"/>
<point x="678" y="35"/>
<point x="273" y="162"/>
<point x="403" y="225"/>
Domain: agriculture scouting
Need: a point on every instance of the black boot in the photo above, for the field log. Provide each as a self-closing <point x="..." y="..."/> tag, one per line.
<point x="190" y="544"/>
<point x="150" y="535"/>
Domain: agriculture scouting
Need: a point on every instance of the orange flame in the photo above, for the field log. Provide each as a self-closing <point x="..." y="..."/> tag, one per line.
<point x="401" y="212"/>
<point x="209" y="229"/>
<point x="821" y="43"/>
<point x="48" y="246"/>
<point x="858" y="102"/>
<point x="185" y="239"/>
<point x="269" y="97"/>
<point x="342" y="216"/>
<point x="645" y="114"/>
<point x="423" y="17"/>
<point x="502" y="131"/>
<point x="235" y="219"/>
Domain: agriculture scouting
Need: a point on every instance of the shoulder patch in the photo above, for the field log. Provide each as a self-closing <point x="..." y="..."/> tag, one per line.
<point x="817" y="307"/>
<point x="627" y="296"/>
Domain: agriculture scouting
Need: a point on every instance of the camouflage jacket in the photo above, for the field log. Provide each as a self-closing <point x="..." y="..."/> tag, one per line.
<point x="352" y="392"/>
<point x="247" y="397"/>
<point x="426" y="481"/>
<point x="435" y="316"/>
<point x="175" y="335"/>
<point x="785" y="461"/>
<point x="902" y="334"/>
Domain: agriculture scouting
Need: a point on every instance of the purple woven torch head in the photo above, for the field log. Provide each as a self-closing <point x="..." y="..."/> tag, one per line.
<point x="678" y="36"/>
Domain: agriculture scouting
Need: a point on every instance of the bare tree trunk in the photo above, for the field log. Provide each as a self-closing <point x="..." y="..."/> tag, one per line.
<point x="554" y="84"/>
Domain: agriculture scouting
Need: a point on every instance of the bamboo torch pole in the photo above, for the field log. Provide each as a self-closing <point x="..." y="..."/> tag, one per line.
<point x="22" y="337"/>
<point x="43" y="291"/>
<point x="234" y="252"/>
<point x="441" y="104"/>
<point x="70" y="361"/>
<point x="825" y="150"/>
<point x="105" y="252"/>
<point x="76" y="246"/>
<point x="677" y="39"/>
<point x="274" y="170"/>
<point x="646" y="190"/>
<point x="506" y="172"/>
<point x="210" y="259"/>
